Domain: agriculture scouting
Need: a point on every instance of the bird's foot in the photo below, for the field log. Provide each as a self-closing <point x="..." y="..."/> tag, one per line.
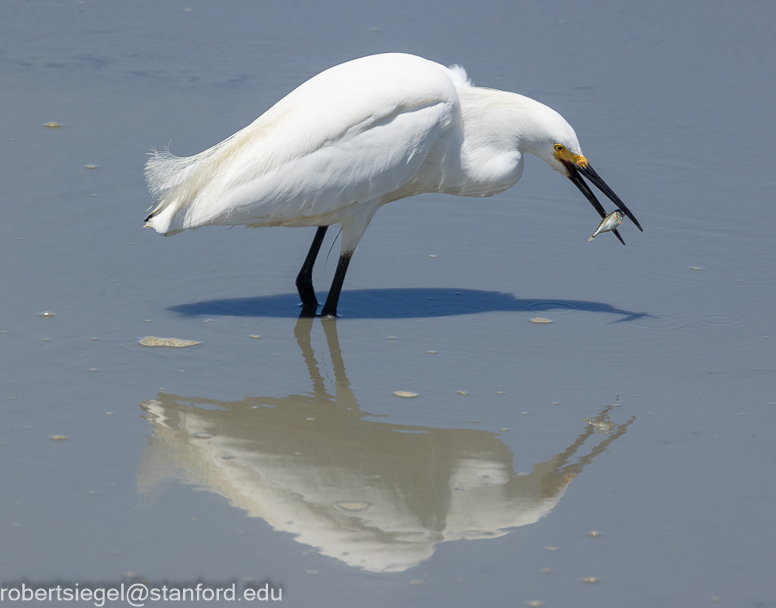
<point x="309" y="310"/>
<point x="329" y="311"/>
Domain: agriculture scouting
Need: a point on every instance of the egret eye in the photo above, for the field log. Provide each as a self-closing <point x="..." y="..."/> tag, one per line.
<point x="558" y="148"/>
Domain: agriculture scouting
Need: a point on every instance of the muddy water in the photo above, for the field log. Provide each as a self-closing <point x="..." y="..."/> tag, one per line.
<point x="275" y="451"/>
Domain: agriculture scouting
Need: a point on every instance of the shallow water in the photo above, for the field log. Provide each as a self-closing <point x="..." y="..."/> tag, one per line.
<point x="645" y="411"/>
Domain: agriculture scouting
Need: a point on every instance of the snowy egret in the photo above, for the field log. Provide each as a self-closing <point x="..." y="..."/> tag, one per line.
<point x="357" y="136"/>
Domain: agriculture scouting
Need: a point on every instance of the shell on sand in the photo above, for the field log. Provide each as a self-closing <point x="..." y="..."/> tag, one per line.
<point x="167" y="342"/>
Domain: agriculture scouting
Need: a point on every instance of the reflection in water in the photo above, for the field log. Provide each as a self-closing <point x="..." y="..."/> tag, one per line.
<point x="375" y="495"/>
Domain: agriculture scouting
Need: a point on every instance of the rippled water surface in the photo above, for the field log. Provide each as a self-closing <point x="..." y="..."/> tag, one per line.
<point x="275" y="451"/>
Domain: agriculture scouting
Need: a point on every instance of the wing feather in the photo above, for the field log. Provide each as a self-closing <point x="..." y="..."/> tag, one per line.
<point x="354" y="133"/>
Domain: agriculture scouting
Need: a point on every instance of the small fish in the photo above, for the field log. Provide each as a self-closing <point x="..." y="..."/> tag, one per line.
<point x="609" y="223"/>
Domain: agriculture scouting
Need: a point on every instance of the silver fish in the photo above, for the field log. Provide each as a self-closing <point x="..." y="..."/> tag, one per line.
<point x="609" y="223"/>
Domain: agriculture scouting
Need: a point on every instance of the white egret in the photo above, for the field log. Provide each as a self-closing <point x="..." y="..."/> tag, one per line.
<point x="355" y="137"/>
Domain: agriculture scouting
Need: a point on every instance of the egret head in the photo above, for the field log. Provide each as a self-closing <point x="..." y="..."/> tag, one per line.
<point x="552" y="139"/>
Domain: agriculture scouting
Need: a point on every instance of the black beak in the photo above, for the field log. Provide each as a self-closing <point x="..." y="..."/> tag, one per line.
<point x="595" y="179"/>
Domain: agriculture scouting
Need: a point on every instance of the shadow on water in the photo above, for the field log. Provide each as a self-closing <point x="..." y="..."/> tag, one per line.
<point x="399" y="304"/>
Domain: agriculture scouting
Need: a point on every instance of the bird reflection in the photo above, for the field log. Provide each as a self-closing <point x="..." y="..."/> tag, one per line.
<point x="375" y="495"/>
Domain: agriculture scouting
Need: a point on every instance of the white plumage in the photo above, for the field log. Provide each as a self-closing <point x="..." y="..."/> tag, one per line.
<point x="357" y="136"/>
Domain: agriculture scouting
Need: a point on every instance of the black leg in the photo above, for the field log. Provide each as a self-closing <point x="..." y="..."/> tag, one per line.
<point x="330" y="307"/>
<point x="304" y="280"/>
